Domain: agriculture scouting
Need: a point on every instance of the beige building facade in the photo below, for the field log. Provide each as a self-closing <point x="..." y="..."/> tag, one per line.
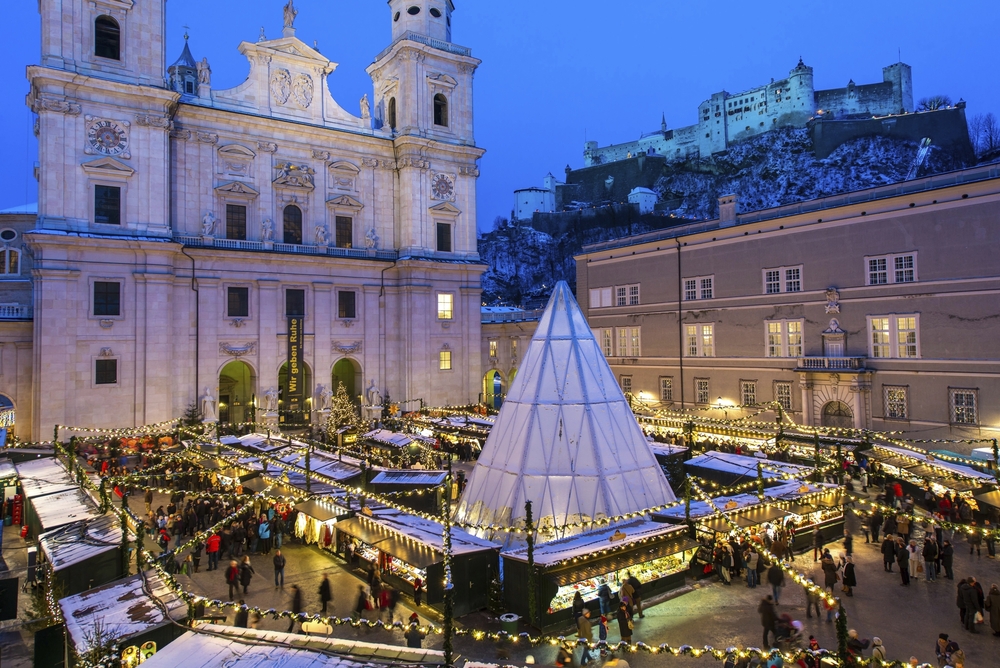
<point x="876" y="309"/>
<point x="181" y="229"/>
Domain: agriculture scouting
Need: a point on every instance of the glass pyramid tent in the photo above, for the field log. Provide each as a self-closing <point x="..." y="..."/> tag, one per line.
<point x="565" y="439"/>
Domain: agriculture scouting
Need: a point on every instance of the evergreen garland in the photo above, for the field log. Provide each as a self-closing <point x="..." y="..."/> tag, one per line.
<point x="529" y="526"/>
<point x="842" y="635"/>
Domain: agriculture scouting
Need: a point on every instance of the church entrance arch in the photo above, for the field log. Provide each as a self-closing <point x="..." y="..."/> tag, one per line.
<point x="237" y="393"/>
<point x="493" y="389"/>
<point x="347" y="372"/>
<point x="838" y="414"/>
<point x="288" y="415"/>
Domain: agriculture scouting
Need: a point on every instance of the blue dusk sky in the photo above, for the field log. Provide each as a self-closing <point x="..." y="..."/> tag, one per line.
<point x="558" y="72"/>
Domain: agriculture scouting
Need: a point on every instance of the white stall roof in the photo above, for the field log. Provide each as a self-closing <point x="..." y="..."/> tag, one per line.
<point x="427" y="532"/>
<point x="79" y="541"/>
<point x="124" y="607"/>
<point x="409" y="477"/>
<point x="225" y="646"/>
<point x="565" y="438"/>
<point x="57" y="510"/>
<point x="746" y="466"/>
<point x="389" y="438"/>
<point x="40" y="477"/>
<point x="950" y="468"/>
<point x="666" y="449"/>
<point x="326" y="464"/>
<point x="584" y="544"/>
<point x="7" y="469"/>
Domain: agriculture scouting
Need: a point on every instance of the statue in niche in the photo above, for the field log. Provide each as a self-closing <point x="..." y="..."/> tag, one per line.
<point x="208" y="406"/>
<point x="204" y="72"/>
<point x="371" y="239"/>
<point x="271" y="400"/>
<point x="373" y="395"/>
<point x="208" y="224"/>
<point x="325" y="397"/>
<point x="320" y="234"/>
<point x="366" y="108"/>
<point x="267" y="230"/>
<point x="290" y="14"/>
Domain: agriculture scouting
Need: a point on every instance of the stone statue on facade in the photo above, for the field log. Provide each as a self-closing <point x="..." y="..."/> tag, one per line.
<point x="267" y="230"/>
<point x="366" y="108"/>
<point x="208" y="406"/>
<point x="325" y="397"/>
<point x="832" y="300"/>
<point x="371" y="239"/>
<point x="321" y="236"/>
<point x="204" y="72"/>
<point x="208" y="224"/>
<point x="271" y="400"/>
<point x="290" y="14"/>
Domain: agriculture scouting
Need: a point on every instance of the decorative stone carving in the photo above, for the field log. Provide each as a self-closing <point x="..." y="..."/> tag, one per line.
<point x="320" y="154"/>
<point x="267" y="230"/>
<point x="270" y="400"/>
<point x="58" y="106"/>
<point x="267" y="146"/>
<point x="321" y="235"/>
<point x="832" y="300"/>
<point x="208" y="406"/>
<point x="468" y="170"/>
<point x="107" y="323"/>
<point x="248" y="348"/>
<point x="183" y="135"/>
<point x="204" y="73"/>
<point x="106" y="352"/>
<point x="295" y="176"/>
<point x="208" y="224"/>
<point x="237" y="188"/>
<point x="237" y="322"/>
<point x="302" y="90"/>
<point x="371" y="239"/>
<point x="325" y="395"/>
<point x="290" y="14"/>
<point x="417" y="162"/>
<point x="834" y="327"/>
<point x="347" y="348"/>
<point x="375" y="163"/>
<point x="262" y="37"/>
<point x="281" y="85"/>
<point x="345" y="201"/>
<point x="149" y="120"/>
<point x="208" y="137"/>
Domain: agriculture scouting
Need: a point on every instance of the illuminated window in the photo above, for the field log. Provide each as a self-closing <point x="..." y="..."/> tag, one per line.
<point x="446" y="304"/>
<point x="493" y="348"/>
<point x="783" y="394"/>
<point x="784" y="338"/>
<point x="894" y="398"/>
<point x="748" y="392"/>
<point x="894" y="336"/>
<point x="666" y="388"/>
<point x="444" y="360"/>
<point x="700" y="340"/>
<point x="964" y="406"/>
<point x="701" y="390"/>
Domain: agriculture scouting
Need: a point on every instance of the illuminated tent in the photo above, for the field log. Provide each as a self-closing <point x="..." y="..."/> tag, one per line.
<point x="565" y="438"/>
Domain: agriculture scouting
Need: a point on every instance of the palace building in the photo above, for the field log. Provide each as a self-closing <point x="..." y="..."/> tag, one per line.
<point x="191" y="242"/>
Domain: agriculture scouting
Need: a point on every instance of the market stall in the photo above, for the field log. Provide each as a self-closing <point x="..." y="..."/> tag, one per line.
<point x="916" y="471"/>
<point x="52" y="511"/>
<point x="671" y="459"/>
<point x="425" y="487"/>
<point x="658" y="554"/>
<point x="8" y="482"/>
<point x="317" y="517"/>
<point x="407" y="547"/>
<point x="84" y="554"/>
<point x="40" y="477"/>
<point x="725" y="468"/>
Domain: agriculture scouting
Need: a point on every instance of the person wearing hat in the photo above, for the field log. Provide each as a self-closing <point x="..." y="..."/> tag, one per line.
<point x="878" y="649"/>
<point x="855" y="645"/>
<point x="414" y="635"/>
<point x="941" y="650"/>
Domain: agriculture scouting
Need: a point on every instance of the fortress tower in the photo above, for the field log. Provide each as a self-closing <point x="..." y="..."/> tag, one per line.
<point x="901" y="77"/>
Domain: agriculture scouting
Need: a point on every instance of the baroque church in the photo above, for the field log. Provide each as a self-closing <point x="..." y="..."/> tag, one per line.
<point x="248" y="248"/>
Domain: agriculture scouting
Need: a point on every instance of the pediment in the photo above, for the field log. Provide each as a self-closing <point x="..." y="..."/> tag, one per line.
<point x="289" y="50"/>
<point x="442" y="79"/>
<point x="446" y="208"/>
<point x="345" y="201"/>
<point x="344" y="166"/>
<point x="107" y="166"/>
<point x="237" y="150"/>
<point x="236" y="188"/>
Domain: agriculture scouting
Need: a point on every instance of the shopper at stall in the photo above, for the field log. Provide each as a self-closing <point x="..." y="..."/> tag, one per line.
<point x="325" y="592"/>
<point x="279" y="569"/>
<point x="975" y="540"/>
<point x="246" y="573"/>
<point x="604" y="598"/>
<point x="930" y="555"/>
<point x="751" y="560"/>
<point x="585" y="632"/>
<point x="418" y="590"/>
<point x="625" y="594"/>
<point x="362" y="603"/>
<point x="624" y="623"/>
<point x="414" y="635"/>
<point x="992" y="605"/>
<point x="776" y="578"/>
<point x="637" y="589"/>
<point x="233" y="578"/>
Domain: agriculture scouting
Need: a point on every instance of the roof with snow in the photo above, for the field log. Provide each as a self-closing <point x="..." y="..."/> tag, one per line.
<point x="41" y="477"/>
<point x="80" y="541"/>
<point x="565" y="438"/>
<point x="22" y="209"/>
<point x="728" y="462"/>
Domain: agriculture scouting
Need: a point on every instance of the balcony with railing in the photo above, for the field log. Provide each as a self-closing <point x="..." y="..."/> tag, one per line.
<point x="297" y="249"/>
<point x="831" y="363"/>
<point x="513" y="315"/>
<point x="15" y="312"/>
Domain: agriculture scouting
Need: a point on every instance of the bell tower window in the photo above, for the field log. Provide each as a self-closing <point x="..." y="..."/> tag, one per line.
<point x="292" y="224"/>
<point x="107" y="38"/>
<point x="440" y="110"/>
<point x="392" y="113"/>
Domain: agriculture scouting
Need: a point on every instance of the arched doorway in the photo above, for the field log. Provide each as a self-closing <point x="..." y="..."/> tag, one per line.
<point x="237" y="392"/>
<point x="6" y="418"/>
<point x="493" y="389"/>
<point x="838" y="414"/>
<point x="510" y="380"/>
<point x="288" y="414"/>
<point x="347" y="372"/>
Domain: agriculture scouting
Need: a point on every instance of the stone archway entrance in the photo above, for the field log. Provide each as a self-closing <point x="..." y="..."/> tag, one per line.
<point x="837" y="414"/>
<point x="493" y="389"/>
<point x="237" y="393"/>
<point x="347" y="372"/>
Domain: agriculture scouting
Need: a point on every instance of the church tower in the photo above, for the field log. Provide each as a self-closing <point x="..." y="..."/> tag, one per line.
<point x="423" y="96"/>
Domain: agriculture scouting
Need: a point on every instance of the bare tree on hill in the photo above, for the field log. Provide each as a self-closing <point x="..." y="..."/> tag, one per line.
<point x="934" y="102"/>
<point x="984" y="133"/>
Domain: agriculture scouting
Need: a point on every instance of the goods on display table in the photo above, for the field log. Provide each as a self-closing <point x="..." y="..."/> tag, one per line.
<point x="316" y="518"/>
<point x="916" y="470"/>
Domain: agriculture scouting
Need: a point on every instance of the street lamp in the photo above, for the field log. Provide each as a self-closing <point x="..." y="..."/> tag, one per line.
<point x="724" y="407"/>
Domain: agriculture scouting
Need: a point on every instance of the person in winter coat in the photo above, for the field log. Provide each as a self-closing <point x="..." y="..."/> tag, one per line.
<point x="903" y="527"/>
<point x="856" y="646"/>
<point x="246" y="573"/>
<point x="362" y="603"/>
<point x="850" y="578"/>
<point x="604" y="598"/>
<point x="889" y="526"/>
<point x="829" y="571"/>
<point x="414" y="636"/>
<point x="776" y="578"/>
<point x="878" y="650"/>
<point x="768" y="618"/>
<point x="947" y="559"/>
<point x="993" y="605"/>
<point x="585" y="631"/>
<point x="930" y="555"/>
<point x="812" y="600"/>
<point x="903" y="560"/>
<point x="976" y="541"/>
<point x="968" y="601"/>
<point x="279" y="569"/>
<point x="578" y="606"/>
<point x="752" y="560"/>
<point x="233" y="579"/>
<point x="637" y="588"/>
<point x="875" y="522"/>
<point x="849" y="543"/>
<point x="888" y="553"/>
<point x="624" y="624"/>
<point x="325" y="592"/>
<point x="296" y="607"/>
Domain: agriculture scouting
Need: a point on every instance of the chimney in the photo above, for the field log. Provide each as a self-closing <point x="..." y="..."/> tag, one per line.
<point x="727" y="210"/>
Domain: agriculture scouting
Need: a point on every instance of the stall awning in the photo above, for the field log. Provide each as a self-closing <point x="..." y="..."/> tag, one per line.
<point x="320" y="511"/>
<point x="923" y="471"/>
<point x="759" y="516"/>
<point x="617" y="562"/>
<point x="831" y="500"/>
<point x="989" y="498"/>
<point x="391" y="543"/>
<point x="717" y="524"/>
<point x="273" y="487"/>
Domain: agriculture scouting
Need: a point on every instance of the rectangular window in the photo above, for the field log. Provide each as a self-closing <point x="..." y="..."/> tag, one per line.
<point x="108" y="205"/>
<point x="107" y="298"/>
<point x="964" y="406"/>
<point x="702" y="395"/>
<point x="700" y="340"/>
<point x="794" y="339"/>
<point x="699" y="287"/>
<point x="633" y="295"/>
<point x="494" y="345"/>
<point x="885" y="269"/>
<point x="627" y="295"/>
<point x="748" y="392"/>
<point x="344" y="226"/>
<point x="446" y="306"/>
<point x="606" y="339"/>
<point x="782" y="279"/>
<point x="10" y="262"/>
<point x="784" y="338"/>
<point x="106" y="372"/>
<point x="706" y="288"/>
<point x="633" y="342"/>
<point x="238" y="302"/>
<point x="347" y="306"/>
<point x="621" y="296"/>
<point x="600" y="297"/>
<point x="894" y="336"/>
<point x="622" y="342"/>
<point x="894" y="399"/>
<point x="783" y="394"/>
<point x="666" y="388"/>
<point x="236" y="222"/>
<point x="295" y="303"/>
<point x="626" y="383"/>
<point x="775" y="340"/>
<point x="444" y="237"/>
<point x="444" y="360"/>
<point x="690" y="289"/>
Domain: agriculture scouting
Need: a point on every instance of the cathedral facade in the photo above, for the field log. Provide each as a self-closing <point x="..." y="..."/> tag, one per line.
<point x="250" y="246"/>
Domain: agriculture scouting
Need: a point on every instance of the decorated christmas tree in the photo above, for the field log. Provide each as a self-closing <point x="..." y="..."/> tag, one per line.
<point x="343" y="413"/>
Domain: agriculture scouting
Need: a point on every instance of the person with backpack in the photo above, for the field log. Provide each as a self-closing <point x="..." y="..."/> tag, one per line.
<point x="878" y="650"/>
<point x="233" y="579"/>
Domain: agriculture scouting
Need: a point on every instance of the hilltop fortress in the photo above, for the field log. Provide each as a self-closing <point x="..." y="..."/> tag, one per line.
<point x="724" y="119"/>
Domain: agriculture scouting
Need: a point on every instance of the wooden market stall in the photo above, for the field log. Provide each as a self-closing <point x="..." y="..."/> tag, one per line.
<point x="84" y="554"/>
<point x="916" y="470"/>
<point x="315" y="522"/>
<point x="658" y="554"/>
<point x="425" y="487"/>
<point x="726" y="468"/>
<point x="52" y="511"/>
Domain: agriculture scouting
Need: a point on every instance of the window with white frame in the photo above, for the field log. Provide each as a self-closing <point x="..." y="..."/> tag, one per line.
<point x="699" y="287"/>
<point x="894" y="401"/>
<point x="964" y="405"/>
<point x="494" y="345"/>
<point x="784" y="338"/>
<point x="782" y="279"/>
<point x="627" y="295"/>
<point x="446" y="306"/>
<point x="600" y="297"/>
<point x="893" y="336"/>
<point x="629" y="341"/>
<point x="700" y="340"/>
<point x="666" y="388"/>
<point x="783" y="394"/>
<point x="885" y="269"/>
<point x="748" y="392"/>
<point x="605" y="339"/>
<point x="701" y="391"/>
<point x="444" y="360"/>
<point x="626" y="382"/>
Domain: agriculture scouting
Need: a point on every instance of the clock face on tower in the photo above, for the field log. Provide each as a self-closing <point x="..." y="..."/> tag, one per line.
<point x="107" y="137"/>
<point x="442" y="187"/>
